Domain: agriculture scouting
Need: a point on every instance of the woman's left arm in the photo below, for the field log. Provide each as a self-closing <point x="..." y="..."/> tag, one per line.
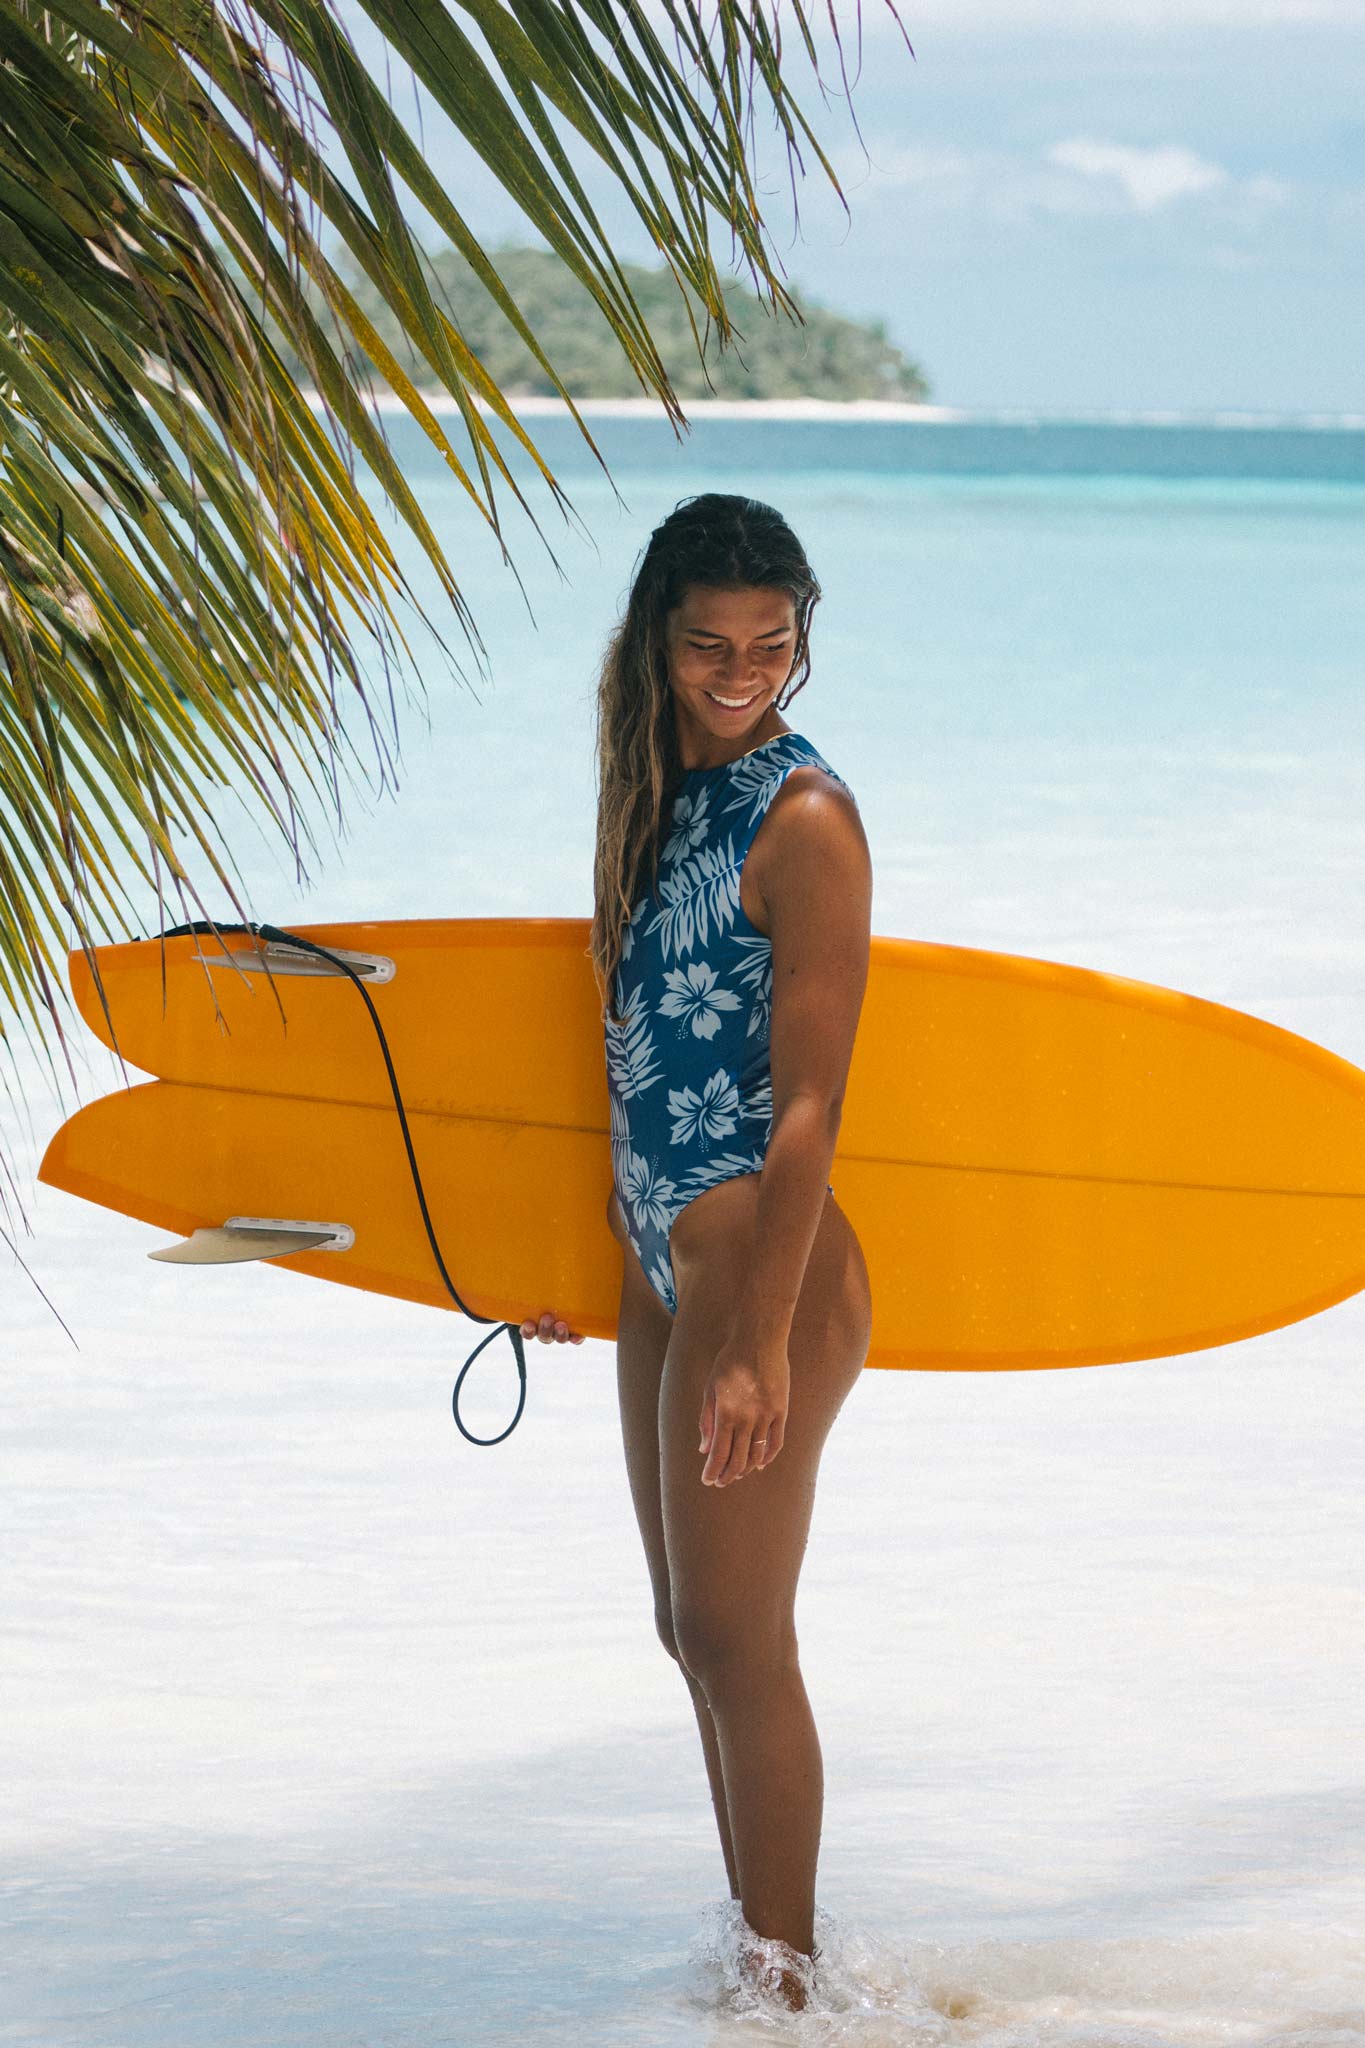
<point x="817" y="893"/>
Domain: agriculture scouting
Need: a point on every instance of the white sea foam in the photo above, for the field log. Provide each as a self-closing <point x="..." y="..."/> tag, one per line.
<point x="873" y="410"/>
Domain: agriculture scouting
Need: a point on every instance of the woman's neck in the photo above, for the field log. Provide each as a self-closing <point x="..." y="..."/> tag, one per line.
<point x="690" y="767"/>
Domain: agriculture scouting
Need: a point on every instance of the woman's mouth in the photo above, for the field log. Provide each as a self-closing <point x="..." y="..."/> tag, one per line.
<point x="732" y="704"/>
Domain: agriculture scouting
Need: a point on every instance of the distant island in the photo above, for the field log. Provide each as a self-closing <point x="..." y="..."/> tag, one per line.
<point x="830" y="357"/>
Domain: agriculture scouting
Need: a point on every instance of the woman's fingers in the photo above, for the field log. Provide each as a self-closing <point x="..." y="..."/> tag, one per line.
<point x="551" y="1329"/>
<point x="722" y="1440"/>
<point x="737" y="1463"/>
<point x="765" y="1453"/>
<point x="754" y="1446"/>
<point x="738" y="1448"/>
<point x="708" y="1415"/>
<point x="742" y="1425"/>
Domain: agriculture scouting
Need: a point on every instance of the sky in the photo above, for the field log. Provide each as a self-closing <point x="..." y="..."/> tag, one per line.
<point x="1063" y="205"/>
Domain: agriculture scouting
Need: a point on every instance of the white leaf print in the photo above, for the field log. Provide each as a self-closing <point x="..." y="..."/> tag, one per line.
<point x="631" y="1064"/>
<point x="620" y="1134"/>
<point x="757" y="782"/>
<point x="700" y="892"/>
<point x="712" y="1114"/>
<point x="663" y="1283"/>
<point x="711" y="1172"/>
<point x="694" y="996"/>
<point x="760" y="1103"/>
<point x="761" y="797"/>
<point x="756" y="972"/>
<point x="628" y="935"/>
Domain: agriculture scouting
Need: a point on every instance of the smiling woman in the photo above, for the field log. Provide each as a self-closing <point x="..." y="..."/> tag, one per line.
<point x="734" y="649"/>
<point x="733" y="899"/>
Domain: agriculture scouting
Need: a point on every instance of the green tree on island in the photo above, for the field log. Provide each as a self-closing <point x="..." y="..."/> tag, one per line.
<point x="821" y="355"/>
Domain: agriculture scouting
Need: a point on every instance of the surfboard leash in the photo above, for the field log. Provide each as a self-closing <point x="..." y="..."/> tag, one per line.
<point x="273" y="935"/>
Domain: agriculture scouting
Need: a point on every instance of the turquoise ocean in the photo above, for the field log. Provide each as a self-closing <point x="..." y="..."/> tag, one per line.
<point x="325" y="1727"/>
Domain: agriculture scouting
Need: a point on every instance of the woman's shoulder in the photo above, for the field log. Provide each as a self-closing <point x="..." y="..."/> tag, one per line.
<point x="796" y="755"/>
<point x="811" y="814"/>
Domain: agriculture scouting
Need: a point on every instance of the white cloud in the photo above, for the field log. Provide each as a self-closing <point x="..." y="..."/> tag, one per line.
<point x="1081" y="175"/>
<point x="1148" y="177"/>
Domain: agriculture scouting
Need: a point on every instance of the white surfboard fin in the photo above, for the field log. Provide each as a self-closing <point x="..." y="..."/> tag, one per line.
<point x="254" y="1237"/>
<point x="271" y="956"/>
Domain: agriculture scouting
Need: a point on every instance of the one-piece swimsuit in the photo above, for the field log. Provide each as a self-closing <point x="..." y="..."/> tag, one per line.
<point x="688" y="1073"/>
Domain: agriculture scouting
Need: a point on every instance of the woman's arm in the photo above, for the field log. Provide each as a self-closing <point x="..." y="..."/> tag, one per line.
<point x="817" y="893"/>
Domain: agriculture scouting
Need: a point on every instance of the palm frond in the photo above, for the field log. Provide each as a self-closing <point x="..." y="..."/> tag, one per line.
<point x="185" y="556"/>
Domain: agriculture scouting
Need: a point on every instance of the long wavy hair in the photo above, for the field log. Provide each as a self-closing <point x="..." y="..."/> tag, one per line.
<point x="721" y="541"/>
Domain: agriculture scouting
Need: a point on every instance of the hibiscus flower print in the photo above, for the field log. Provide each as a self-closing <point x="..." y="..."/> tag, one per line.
<point x="650" y="1193"/>
<point x="712" y="1114"/>
<point x="692" y="1100"/>
<point x="694" y="996"/>
<point x="691" y="823"/>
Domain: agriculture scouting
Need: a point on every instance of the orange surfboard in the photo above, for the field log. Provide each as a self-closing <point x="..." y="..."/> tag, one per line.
<point x="1046" y="1165"/>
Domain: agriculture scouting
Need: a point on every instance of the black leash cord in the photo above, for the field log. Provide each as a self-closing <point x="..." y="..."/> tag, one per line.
<point x="274" y="936"/>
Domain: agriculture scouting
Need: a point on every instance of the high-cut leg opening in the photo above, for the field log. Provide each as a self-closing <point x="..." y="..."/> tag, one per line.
<point x="740" y="1173"/>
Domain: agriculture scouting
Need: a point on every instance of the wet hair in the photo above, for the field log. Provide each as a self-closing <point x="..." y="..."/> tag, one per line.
<point x="725" y="543"/>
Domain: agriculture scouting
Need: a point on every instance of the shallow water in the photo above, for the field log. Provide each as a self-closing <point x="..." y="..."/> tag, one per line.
<point x="324" y="1726"/>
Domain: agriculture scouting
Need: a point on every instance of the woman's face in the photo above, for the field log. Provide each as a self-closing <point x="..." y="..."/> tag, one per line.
<point x="729" y="654"/>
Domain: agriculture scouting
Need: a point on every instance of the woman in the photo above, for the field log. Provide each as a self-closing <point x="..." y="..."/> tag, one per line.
<point x="732" y="920"/>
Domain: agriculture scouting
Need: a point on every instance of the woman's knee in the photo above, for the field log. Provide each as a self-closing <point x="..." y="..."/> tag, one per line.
<point x="668" y="1635"/>
<point x="741" y="1650"/>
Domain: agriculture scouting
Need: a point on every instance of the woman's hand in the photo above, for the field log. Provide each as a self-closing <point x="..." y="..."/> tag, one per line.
<point x="551" y="1329"/>
<point x="744" y="1410"/>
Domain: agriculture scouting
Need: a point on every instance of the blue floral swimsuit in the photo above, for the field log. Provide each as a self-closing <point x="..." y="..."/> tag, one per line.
<point x="688" y="1073"/>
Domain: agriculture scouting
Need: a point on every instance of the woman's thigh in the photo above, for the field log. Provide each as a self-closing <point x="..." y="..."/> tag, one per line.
<point x="643" y="1328"/>
<point x="734" y="1552"/>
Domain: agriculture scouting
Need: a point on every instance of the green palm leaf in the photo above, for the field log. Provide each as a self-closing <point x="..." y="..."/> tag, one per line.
<point x="184" y="557"/>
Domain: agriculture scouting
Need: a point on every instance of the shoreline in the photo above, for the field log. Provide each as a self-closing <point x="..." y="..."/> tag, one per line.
<point x="880" y="412"/>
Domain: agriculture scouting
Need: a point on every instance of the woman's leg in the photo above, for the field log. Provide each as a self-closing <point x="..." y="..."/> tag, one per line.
<point x="734" y="1552"/>
<point x="642" y="1333"/>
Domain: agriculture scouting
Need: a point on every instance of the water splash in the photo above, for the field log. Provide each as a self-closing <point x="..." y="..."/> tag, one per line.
<point x="1208" y="1990"/>
<point x="851" y="1979"/>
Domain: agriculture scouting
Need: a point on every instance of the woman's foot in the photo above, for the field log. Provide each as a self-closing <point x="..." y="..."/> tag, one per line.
<point x="772" y="1969"/>
<point x="749" y="1972"/>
